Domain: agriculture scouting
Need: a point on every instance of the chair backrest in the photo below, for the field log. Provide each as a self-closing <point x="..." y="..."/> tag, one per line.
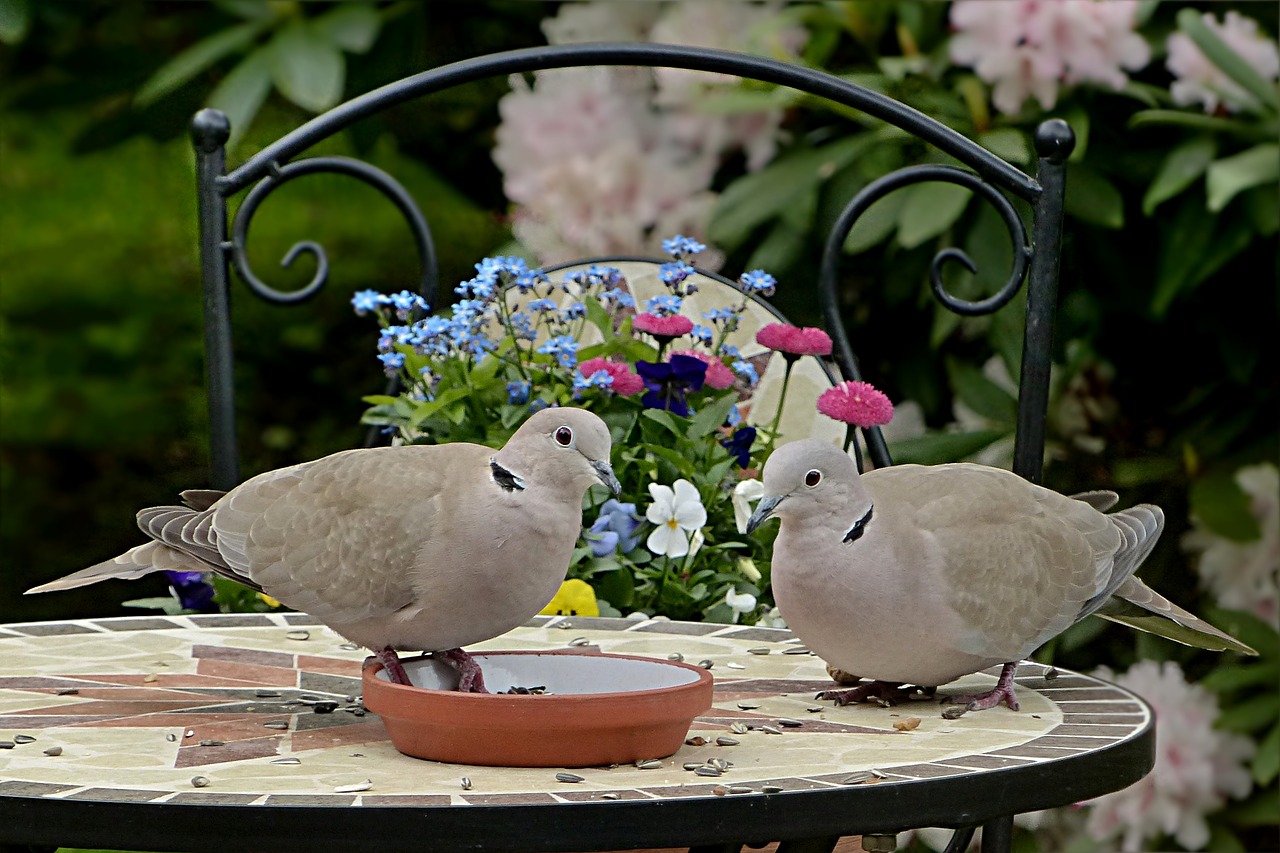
<point x="1036" y="256"/>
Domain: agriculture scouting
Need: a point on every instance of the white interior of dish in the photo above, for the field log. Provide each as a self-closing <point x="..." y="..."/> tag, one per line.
<point x="560" y="674"/>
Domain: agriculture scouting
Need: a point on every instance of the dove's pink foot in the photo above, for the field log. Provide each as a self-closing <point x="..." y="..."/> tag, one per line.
<point x="888" y="691"/>
<point x="391" y="663"/>
<point x="1002" y="692"/>
<point x="470" y="679"/>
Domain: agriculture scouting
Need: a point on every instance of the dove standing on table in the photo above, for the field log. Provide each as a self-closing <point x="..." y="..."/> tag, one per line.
<point x="919" y="575"/>
<point x="414" y="547"/>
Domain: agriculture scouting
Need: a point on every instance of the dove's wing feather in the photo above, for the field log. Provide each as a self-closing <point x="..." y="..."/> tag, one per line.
<point x="1139" y="528"/>
<point x="1139" y="606"/>
<point x="135" y="563"/>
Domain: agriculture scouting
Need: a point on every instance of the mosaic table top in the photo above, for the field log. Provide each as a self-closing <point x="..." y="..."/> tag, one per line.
<point x="160" y="719"/>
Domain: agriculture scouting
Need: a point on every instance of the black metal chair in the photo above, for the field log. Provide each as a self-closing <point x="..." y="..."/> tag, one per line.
<point x="1036" y="256"/>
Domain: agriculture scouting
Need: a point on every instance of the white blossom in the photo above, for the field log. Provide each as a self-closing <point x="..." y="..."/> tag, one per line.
<point x="1197" y="767"/>
<point x="739" y="603"/>
<point x="745" y="494"/>
<point x="1200" y="81"/>
<point x="677" y="515"/>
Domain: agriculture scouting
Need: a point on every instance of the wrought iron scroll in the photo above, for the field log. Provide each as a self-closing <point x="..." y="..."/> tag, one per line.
<point x="370" y="175"/>
<point x="877" y="190"/>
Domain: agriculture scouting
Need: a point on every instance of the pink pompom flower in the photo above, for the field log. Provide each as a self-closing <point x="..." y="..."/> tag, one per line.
<point x="719" y="376"/>
<point x="625" y="381"/>
<point x="794" y="340"/>
<point x="663" y="328"/>
<point x="858" y="403"/>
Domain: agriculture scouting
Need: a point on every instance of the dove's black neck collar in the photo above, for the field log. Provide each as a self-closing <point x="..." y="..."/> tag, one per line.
<point x="508" y="481"/>
<point x="859" y="526"/>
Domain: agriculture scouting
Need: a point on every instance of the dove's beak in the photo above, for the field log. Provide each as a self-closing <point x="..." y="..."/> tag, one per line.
<point x="605" y="472"/>
<point x="764" y="509"/>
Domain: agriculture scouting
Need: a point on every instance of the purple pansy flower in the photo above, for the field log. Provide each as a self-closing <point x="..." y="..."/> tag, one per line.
<point x="667" y="381"/>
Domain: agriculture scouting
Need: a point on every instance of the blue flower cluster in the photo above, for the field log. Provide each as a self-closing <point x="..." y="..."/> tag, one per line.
<point x="615" y="529"/>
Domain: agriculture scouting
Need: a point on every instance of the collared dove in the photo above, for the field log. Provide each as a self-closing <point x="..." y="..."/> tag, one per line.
<point x="415" y="547"/>
<point x="919" y="575"/>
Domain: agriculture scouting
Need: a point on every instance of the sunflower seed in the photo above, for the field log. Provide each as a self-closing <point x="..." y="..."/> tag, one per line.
<point x="707" y="770"/>
<point x="649" y="764"/>
<point x="856" y="778"/>
<point x="611" y="796"/>
<point x="748" y="706"/>
<point x="281" y="725"/>
<point x="288" y="759"/>
<point x="675" y="656"/>
<point x="735" y="665"/>
<point x="568" y="777"/>
<point x="199" y="781"/>
<point x="813" y="709"/>
<point x="53" y="750"/>
<point x="351" y="647"/>
<point x="23" y="739"/>
<point x="725" y="740"/>
<point x="579" y="641"/>
<point x="739" y="789"/>
<point x="67" y="691"/>
<point x="707" y="663"/>
<point x="692" y="765"/>
<point x="465" y="783"/>
<point x="564" y="625"/>
<point x="696" y="740"/>
<point x="719" y="763"/>
<point x="771" y="789"/>
<point x="878" y="773"/>
<point x="955" y="712"/>
<point x="771" y="730"/>
<point x="171" y="737"/>
<point x="7" y="744"/>
<point x="787" y="722"/>
<point x="738" y="728"/>
<point x="759" y="650"/>
<point x="298" y="635"/>
<point x="353" y="789"/>
<point x="266" y="694"/>
<point x="328" y="706"/>
<point x="1051" y="673"/>
<point x="212" y="742"/>
<point x="796" y="650"/>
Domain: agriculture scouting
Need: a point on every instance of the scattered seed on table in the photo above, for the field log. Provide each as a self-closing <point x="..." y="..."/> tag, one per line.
<point x="707" y="663"/>
<point x="739" y="789"/>
<point x="675" y="656"/>
<point x="771" y="730"/>
<point x="351" y="647"/>
<point x="696" y="740"/>
<point x="212" y="742"/>
<point x="649" y="764"/>
<point x="327" y="706"/>
<point x="813" y="709"/>
<point x="748" y="706"/>
<point x="907" y="725"/>
<point x="1050" y="674"/>
<point x="171" y="737"/>
<point x="738" y="728"/>
<point x="954" y="712"/>
<point x="759" y="650"/>
<point x="53" y="750"/>
<point x="298" y="635"/>
<point x="353" y="789"/>
<point x="579" y="641"/>
<point x="692" y="765"/>
<point x="266" y="694"/>
<point x="281" y="725"/>
<point x="150" y="678"/>
<point x="199" y="781"/>
<point x="23" y="739"/>
<point x="67" y="691"/>
<point x="708" y="770"/>
<point x="856" y="778"/>
<point x="735" y="665"/>
<point x="289" y="759"/>
<point x="465" y="783"/>
<point x="564" y="625"/>
<point x="796" y="650"/>
<point x="771" y="789"/>
<point x="568" y="777"/>
<point x="725" y="740"/>
<point x="7" y="744"/>
<point x="189" y="733"/>
<point x="611" y="796"/>
<point x="719" y="763"/>
<point x="787" y="722"/>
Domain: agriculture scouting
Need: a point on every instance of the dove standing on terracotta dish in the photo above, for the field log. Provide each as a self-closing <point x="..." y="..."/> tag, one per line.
<point x="415" y="547"/>
<point x="919" y="575"/>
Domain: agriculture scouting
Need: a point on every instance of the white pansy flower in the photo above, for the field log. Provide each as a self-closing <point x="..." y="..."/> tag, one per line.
<point x="747" y="567"/>
<point x="677" y="514"/>
<point x="744" y="494"/>
<point x="739" y="603"/>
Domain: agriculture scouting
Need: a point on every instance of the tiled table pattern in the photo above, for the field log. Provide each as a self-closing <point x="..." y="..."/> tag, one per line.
<point x="148" y="691"/>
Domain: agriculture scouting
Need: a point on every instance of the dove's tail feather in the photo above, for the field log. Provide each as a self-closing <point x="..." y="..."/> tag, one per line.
<point x="1139" y="606"/>
<point x="201" y="499"/>
<point x="1100" y="499"/>
<point x="134" y="563"/>
<point x="1140" y="528"/>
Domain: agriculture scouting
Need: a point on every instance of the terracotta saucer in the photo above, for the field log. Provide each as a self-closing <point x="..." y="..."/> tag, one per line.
<point x="597" y="709"/>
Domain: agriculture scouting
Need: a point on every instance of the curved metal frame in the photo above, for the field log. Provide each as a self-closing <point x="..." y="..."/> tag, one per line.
<point x="991" y="178"/>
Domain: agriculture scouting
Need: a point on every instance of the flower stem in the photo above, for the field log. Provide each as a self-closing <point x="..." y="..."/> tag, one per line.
<point x="782" y="399"/>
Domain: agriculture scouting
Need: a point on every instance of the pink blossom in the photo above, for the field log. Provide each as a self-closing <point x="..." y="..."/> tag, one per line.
<point x="794" y="340"/>
<point x="1197" y="766"/>
<point x="662" y="327"/>
<point x="1028" y="47"/>
<point x="1199" y="80"/>
<point x="625" y="381"/>
<point x="719" y="376"/>
<point x="857" y="403"/>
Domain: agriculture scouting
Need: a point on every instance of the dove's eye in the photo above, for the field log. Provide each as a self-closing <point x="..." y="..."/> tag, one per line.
<point x="813" y="477"/>
<point x="564" y="436"/>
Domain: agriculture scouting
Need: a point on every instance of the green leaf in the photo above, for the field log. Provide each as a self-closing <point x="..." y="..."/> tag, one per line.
<point x="1223" y="840"/>
<point x="980" y="394"/>
<point x="1263" y="206"/>
<point x="1251" y="715"/>
<point x="1266" y="763"/>
<point x="1137" y="471"/>
<point x="664" y="418"/>
<point x="1191" y="22"/>
<point x="241" y="93"/>
<point x="195" y="59"/>
<point x="1008" y="143"/>
<point x="1231" y="175"/>
<point x="1181" y="166"/>
<point x="875" y="224"/>
<point x="1234" y="676"/>
<point x="1249" y="629"/>
<point x="1262" y="809"/>
<point x="307" y="68"/>
<point x="167" y="603"/>
<point x="709" y="417"/>
<point x="781" y="248"/>
<point x="760" y="196"/>
<point x="1183" y="241"/>
<point x="431" y="407"/>
<point x="351" y="26"/>
<point x="1219" y="502"/>
<point x="1199" y="121"/>
<point x="380" y="400"/>
<point x="1092" y="198"/>
<point x="941" y="447"/>
<point x="15" y="20"/>
<point x="250" y="10"/>
<point x="930" y="209"/>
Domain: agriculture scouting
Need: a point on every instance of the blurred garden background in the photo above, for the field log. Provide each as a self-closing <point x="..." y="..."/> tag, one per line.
<point x="1166" y="387"/>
